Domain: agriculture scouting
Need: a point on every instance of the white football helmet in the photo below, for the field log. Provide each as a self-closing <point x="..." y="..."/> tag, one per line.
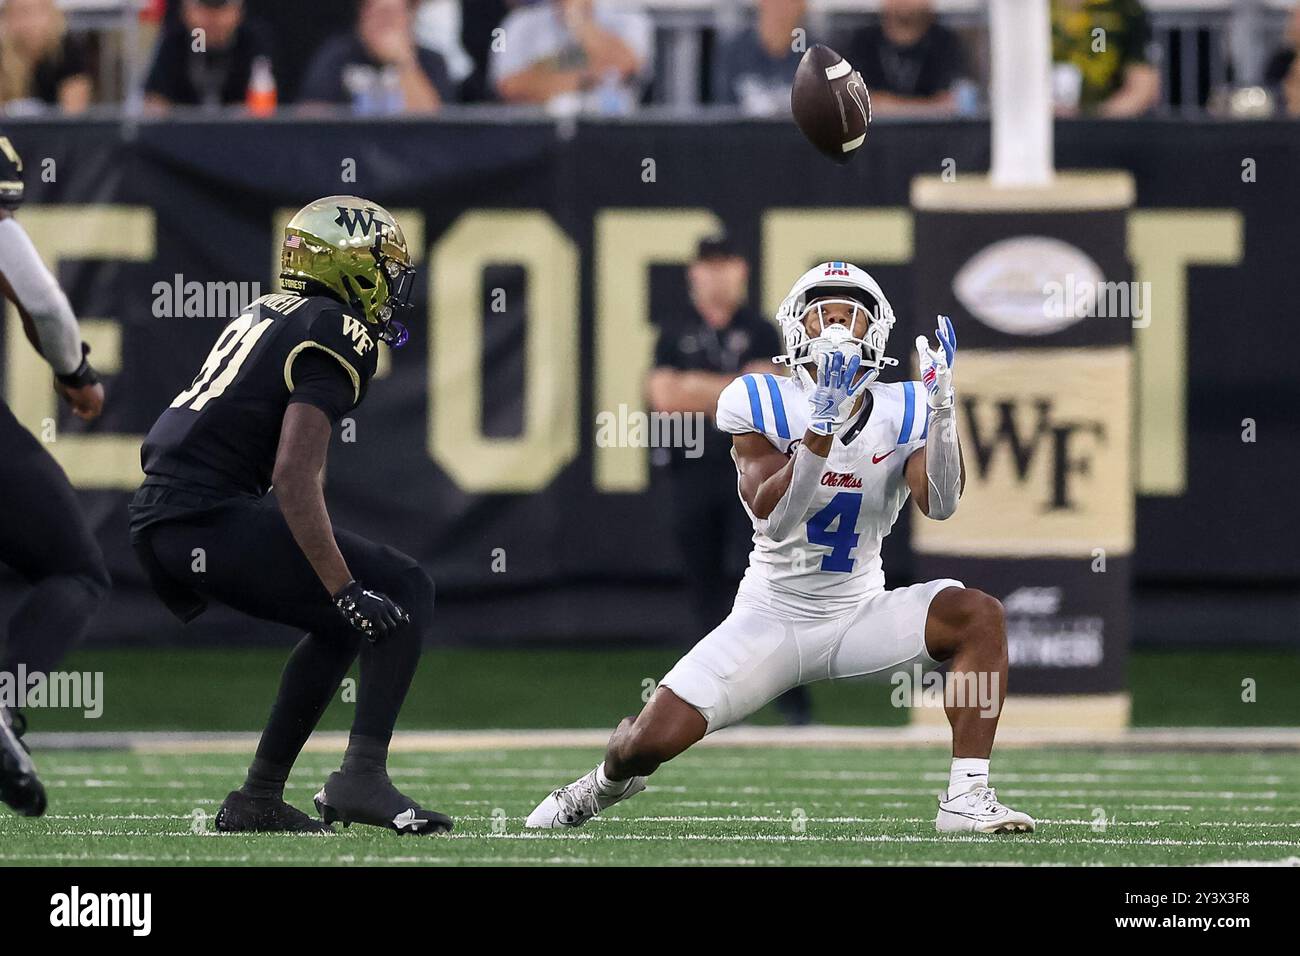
<point x="829" y="282"/>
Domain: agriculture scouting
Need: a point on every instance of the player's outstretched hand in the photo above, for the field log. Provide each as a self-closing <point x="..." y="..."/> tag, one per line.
<point x="80" y="388"/>
<point x="936" y="365"/>
<point x="87" y="402"/>
<point x="832" y="400"/>
<point x="372" y="613"/>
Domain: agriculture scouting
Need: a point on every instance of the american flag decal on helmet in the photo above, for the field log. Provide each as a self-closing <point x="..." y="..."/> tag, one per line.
<point x="293" y="242"/>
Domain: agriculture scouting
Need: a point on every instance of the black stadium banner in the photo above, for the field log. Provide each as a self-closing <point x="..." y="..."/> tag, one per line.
<point x="547" y="260"/>
<point x="1038" y="286"/>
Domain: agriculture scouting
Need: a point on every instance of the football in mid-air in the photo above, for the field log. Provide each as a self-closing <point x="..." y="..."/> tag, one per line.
<point x="830" y="103"/>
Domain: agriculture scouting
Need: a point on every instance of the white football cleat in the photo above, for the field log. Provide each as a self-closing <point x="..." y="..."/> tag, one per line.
<point x="574" y="805"/>
<point x="978" y="811"/>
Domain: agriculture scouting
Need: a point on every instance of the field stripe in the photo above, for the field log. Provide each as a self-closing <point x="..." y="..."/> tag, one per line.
<point x="907" y="737"/>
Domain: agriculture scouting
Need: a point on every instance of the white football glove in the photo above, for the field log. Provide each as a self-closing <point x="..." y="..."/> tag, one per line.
<point x="936" y="366"/>
<point x="832" y="400"/>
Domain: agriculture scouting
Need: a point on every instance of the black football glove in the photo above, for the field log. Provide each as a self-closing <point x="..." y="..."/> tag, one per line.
<point x="83" y="375"/>
<point x="373" y="614"/>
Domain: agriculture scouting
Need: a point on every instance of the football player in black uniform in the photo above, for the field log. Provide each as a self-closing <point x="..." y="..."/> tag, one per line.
<point x="258" y="418"/>
<point x="43" y="535"/>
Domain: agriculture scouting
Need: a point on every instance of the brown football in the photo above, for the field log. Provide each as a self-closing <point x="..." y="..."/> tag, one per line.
<point x="830" y="103"/>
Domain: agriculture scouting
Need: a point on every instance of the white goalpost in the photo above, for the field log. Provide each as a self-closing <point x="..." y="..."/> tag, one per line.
<point x="1020" y="93"/>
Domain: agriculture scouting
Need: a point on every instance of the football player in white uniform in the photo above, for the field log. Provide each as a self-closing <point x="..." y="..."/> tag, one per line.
<point x="826" y="458"/>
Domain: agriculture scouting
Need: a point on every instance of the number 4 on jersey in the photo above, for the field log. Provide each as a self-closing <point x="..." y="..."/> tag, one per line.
<point x="843" y="508"/>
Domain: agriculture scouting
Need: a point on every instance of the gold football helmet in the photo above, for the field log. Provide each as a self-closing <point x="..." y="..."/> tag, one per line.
<point x="355" y="251"/>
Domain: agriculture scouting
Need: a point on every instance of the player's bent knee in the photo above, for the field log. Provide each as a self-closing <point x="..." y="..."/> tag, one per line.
<point x="97" y="577"/>
<point x="987" y="621"/>
<point x="414" y="592"/>
<point x="96" y="585"/>
<point x="970" y="609"/>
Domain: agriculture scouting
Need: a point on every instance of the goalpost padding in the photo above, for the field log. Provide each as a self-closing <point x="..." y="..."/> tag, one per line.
<point x="1045" y="422"/>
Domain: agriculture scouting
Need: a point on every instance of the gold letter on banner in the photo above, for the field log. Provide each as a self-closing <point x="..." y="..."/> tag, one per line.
<point x="628" y="242"/>
<point x="99" y="459"/>
<point x="1045" y="438"/>
<point x="549" y="441"/>
<point x="795" y="240"/>
<point x="1162" y="244"/>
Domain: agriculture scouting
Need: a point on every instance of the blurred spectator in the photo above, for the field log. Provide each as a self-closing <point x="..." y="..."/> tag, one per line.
<point x="479" y="20"/>
<point x="695" y="360"/>
<point x="438" y="28"/>
<point x="909" y="61"/>
<point x="41" y="66"/>
<point x="1282" y="73"/>
<point x="208" y="57"/>
<point x="378" y="68"/>
<point x="1099" y="48"/>
<point x="587" y="52"/>
<point x="756" y="68"/>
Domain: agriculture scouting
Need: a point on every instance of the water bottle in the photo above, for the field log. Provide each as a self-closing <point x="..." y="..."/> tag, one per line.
<point x="261" y="95"/>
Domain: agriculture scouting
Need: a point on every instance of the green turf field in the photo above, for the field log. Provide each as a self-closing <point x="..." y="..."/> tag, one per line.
<point x="470" y="688"/>
<point x="712" y="806"/>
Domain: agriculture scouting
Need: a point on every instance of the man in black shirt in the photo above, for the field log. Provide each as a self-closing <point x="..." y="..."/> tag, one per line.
<point x="214" y="74"/>
<point x="908" y="60"/>
<point x="756" y="67"/>
<point x="694" y="361"/>
<point x="205" y="526"/>
<point x="378" y="68"/>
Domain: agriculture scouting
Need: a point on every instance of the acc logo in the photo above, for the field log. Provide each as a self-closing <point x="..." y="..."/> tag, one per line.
<point x="1033" y="600"/>
<point x="355" y="329"/>
<point x="1005" y="285"/>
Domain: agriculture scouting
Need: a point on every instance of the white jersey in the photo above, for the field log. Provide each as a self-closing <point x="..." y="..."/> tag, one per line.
<point x="831" y="561"/>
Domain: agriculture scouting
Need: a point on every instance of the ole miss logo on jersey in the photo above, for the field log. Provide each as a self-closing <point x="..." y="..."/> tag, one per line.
<point x="835" y="479"/>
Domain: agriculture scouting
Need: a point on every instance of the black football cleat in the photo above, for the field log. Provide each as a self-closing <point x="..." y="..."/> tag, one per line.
<point x="241" y="813"/>
<point x="20" y="788"/>
<point x="371" y="798"/>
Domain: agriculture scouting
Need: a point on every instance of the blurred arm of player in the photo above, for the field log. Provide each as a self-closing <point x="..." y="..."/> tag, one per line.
<point x="47" y="319"/>
<point x="936" y="473"/>
<point x="778" y="488"/>
<point x="675" y="390"/>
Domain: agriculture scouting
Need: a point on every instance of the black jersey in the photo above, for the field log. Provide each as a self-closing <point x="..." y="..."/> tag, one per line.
<point x="219" y="437"/>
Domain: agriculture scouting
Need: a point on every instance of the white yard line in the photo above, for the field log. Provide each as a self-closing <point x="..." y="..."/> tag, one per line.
<point x="908" y="737"/>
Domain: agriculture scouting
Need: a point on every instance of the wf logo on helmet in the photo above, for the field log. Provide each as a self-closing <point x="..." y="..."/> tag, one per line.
<point x="352" y="219"/>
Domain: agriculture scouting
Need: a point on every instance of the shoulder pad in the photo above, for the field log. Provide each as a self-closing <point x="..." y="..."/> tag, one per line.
<point x="341" y="335"/>
<point x="756" y="403"/>
<point x="908" y="410"/>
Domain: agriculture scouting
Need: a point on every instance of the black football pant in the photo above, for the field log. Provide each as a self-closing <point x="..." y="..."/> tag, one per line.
<point x="243" y="555"/>
<point x="45" y="538"/>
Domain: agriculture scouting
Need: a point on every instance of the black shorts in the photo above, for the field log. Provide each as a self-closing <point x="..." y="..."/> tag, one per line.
<point x="42" y="529"/>
<point x="242" y="554"/>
